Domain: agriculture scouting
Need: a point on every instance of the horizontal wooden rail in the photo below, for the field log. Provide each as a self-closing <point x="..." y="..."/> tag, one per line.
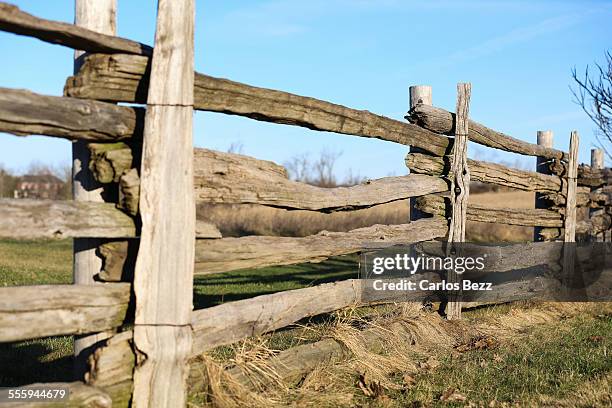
<point x="29" y="219"/>
<point x="487" y="173"/>
<point x="433" y="204"/>
<point x="238" y="179"/>
<point x="79" y="395"/>
<point x="16" y="21"/>
<point x="25" y="219"/>
<point x="441" y="121"/>
<point x="234" y="321"/>
<point x="28" y="312"/>
<point x="229" y="323"/>
<point x="228" y="178"/>
<point x="123" y="78"/>
<point x="594" y="178"/>
<point x="26" y="113"/>
<point x="112" y="365"/>
<point x="228" y="254"/>
<point x="294" y="363"/>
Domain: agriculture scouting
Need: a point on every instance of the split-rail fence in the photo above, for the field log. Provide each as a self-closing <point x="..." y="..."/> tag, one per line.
<point x="137" y="319"/>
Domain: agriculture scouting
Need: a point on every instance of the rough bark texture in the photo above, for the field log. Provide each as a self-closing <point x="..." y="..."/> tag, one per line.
<point x="544" y="165"/>
<point x="124" y="78"/>
<point x="570" y="208"/>
<point x="109" y="160"/>
<point x="16" y="21"/>
<point x="231" y="322"/>
<point x="459" y="192"/>
<point x="226" y="254"/>
<point x="129" y="192"/>
<point x="25" y="113"/>
<point x="80" y="395"/>
<point x="28" y="219"/>
<point x="441" y="121"/>
<point x="28" y="312"/>
<point x="111" y="368"/>
<point x="513" y="216"/>
<point x="236" y="179"/>
<point x="587" y="176"/>
<point x="487" y="173"/>
<point x="163" y="276"/>
<point x="99" y="16"/>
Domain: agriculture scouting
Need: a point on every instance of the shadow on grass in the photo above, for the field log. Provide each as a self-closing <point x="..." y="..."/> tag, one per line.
<point x="42" y="360"/>
<point x="237" y="285"/>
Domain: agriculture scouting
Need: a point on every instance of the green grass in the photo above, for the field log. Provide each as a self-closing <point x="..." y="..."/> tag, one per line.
<point x="554" y="363"/>
<point x="219" y="288"/>
<point x="50" y="262"/>
<point x="553" y="360"/>
<point x="35" y="262"/>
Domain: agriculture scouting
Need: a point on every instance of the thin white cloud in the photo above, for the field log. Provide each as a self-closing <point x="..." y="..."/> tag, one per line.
<point x="516" y="36"/>
<point x="513" y="38"/>
<point x="556" y="118"/>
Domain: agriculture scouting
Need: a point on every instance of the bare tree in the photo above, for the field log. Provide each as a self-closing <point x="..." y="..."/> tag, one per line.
<point x="320" y="172"/>
<point x="299" y="168"/>
<point x="324" y="169"/>
<point x="594" y="94"/>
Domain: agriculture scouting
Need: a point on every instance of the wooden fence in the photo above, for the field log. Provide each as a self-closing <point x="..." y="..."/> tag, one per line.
<point x="147" y="152"/>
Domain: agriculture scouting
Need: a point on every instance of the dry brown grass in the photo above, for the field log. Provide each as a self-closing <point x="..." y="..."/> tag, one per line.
<point x="484" y="232"/>
<point x="399" y="341"/>
<point x="241" y="220"/>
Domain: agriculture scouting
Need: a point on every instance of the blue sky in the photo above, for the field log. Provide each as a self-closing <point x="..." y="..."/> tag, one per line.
<point x="361" y="53"/>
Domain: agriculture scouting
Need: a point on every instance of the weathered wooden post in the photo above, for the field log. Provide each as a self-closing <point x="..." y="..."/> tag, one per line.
<point x="418" y="95"/>
<point x="100" y="16"/>
<point x="569" y="239"/>
<point x="545" y="138"/>
<point x="459" y="191"/>
<point x="597" y="163"/>
<point x="163" y="281"/>
<point x="572" y="184"/>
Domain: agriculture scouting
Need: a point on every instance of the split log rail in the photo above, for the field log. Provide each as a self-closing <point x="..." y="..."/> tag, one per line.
<point x="133" y="150"/>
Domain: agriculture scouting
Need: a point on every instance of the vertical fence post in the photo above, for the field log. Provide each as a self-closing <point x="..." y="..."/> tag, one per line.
<point x="569" y="239"/>
<point x="163" y="277"/>
<point x="459" y="192"/>
<point x="597" y="163"/>
<point x="418" y="95"/>
<point x="545" y="138"/>
<point x="572" y="183"/>
<point x="100" y="16"/>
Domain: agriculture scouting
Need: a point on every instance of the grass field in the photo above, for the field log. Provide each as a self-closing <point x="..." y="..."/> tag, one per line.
<point x="560" y="362"/>
<point x="50" y="262"/>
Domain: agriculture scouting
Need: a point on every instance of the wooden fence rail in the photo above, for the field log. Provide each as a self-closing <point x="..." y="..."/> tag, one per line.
<point x="27" y="113"/>
<point x="124" y="78"/>
<point x="228" y="178"/>
<point x="29" y="312"/>
<point x="228" y="254"/>
<point x="147" y="153"/>
<point x="441" y="121"/>
<point x="16" y="21"/>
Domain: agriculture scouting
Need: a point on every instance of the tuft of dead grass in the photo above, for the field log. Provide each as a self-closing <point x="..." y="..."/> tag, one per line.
<point x="211" y="386"/>
<point x="387" y="348"/>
